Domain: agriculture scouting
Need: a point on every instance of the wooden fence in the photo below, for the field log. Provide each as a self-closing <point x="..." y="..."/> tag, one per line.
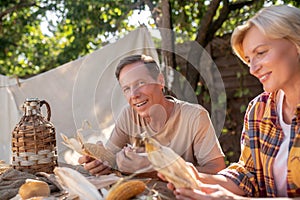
<point x="240" y="87"/>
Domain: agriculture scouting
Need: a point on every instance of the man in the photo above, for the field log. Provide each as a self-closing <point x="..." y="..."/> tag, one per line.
<point x="184" y="127"/>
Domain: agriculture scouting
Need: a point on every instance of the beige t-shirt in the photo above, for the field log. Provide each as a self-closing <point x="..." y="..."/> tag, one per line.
<point x="189" y="132"/>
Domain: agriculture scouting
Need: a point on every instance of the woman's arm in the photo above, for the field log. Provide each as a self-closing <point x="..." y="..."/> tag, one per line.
<point x="222" y="181"/>
<point x="217" y="180"/>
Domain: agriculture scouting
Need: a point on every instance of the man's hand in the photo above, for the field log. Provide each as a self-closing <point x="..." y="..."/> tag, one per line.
<point x="95" y="167"/>
<point x="129" y="161"/>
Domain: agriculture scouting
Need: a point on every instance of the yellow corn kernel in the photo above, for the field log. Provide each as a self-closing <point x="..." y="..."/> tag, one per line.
<point x="126" y="190"/>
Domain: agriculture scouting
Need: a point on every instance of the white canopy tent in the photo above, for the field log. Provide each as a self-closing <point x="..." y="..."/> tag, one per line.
<point x="84" y="90"/>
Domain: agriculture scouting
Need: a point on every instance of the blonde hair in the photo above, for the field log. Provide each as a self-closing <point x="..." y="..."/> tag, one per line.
<point x="275" y="22"/>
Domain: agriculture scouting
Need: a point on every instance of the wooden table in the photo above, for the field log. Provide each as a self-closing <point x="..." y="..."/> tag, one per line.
<point x="156" y="186"/>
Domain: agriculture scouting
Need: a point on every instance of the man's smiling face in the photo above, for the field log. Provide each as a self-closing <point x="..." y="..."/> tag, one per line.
<point x="140" y="89"/>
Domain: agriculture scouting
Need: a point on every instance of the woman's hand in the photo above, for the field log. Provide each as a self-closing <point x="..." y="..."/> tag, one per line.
<point x="206" y="191"/>
<point x="194" y="170"/>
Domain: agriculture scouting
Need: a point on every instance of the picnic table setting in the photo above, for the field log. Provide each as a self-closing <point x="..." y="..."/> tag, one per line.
<point x="73" y="182"/>
<point x="35" y="172"/>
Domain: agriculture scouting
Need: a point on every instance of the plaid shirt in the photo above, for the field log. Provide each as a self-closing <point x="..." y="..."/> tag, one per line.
<point x="260" y="142"/>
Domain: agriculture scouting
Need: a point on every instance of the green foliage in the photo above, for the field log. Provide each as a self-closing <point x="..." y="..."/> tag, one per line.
<point x="187" y="16"/>
<point x="76" y="28"/>
<point x="242" y="92"/>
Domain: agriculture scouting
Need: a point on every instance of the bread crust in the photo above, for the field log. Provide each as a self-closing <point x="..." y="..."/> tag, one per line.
<point x="34" y="188"/>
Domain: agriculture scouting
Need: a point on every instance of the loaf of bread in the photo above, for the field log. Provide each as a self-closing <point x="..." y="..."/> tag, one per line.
<point x="34" y="188"/>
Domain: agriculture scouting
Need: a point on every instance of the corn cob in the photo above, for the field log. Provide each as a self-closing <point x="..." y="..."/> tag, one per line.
<point x="99" y="152"/>
<point x="170" y="164"/>
<point x="96" y="151"/>
<point x="126" y="190"/>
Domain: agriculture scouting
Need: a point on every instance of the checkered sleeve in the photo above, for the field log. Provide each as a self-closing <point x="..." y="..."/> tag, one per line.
<point x="242" y="173"/>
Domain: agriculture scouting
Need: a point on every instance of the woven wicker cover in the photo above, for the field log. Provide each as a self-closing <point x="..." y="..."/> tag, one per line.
<point x="33" y="140"/>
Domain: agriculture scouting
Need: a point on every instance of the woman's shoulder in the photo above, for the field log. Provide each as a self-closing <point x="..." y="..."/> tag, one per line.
<point x="261" y="102"/>
<point x="265" y="97"/>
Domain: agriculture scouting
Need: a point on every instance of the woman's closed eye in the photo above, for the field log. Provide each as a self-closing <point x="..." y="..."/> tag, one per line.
<point x="260" y="53"/>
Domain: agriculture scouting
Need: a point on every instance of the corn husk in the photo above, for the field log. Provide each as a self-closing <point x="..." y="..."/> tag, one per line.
<point x="170" y="164"/>
<point x="95" y="151"/>
<point x="76" y="184"/>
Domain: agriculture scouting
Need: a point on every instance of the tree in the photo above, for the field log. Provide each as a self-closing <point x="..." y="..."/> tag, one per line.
<point x="76" y="28"/>
<point x="203" y="21"/>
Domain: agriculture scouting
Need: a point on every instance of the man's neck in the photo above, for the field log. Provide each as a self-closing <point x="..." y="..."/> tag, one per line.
<point x="159" y="115"/>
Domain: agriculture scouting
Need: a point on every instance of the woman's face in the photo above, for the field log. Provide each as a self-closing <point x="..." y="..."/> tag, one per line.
<point x="275" y="62"/>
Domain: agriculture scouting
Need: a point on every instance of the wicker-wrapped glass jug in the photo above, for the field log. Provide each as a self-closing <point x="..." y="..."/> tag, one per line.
<point x="33" y="140"/>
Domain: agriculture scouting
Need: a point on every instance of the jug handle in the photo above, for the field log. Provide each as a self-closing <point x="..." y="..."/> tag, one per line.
<point x="42" y="102"/>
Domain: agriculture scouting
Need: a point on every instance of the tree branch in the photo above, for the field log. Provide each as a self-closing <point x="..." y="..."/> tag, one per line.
<point x="155" y="12"/>
<point x="227" y="8"/>
<point x="206" y="21"/>
<point x="130" y="7"/>
<point x="239" y="5"/>
<point x="16" y="7"/>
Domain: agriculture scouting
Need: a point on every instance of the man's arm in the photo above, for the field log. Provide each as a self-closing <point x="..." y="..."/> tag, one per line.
<point x="206" y="146"/>
<point x="212" y="166"/>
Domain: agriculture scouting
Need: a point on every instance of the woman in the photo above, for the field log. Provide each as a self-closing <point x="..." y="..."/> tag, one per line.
<point x="269" y="166"/>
